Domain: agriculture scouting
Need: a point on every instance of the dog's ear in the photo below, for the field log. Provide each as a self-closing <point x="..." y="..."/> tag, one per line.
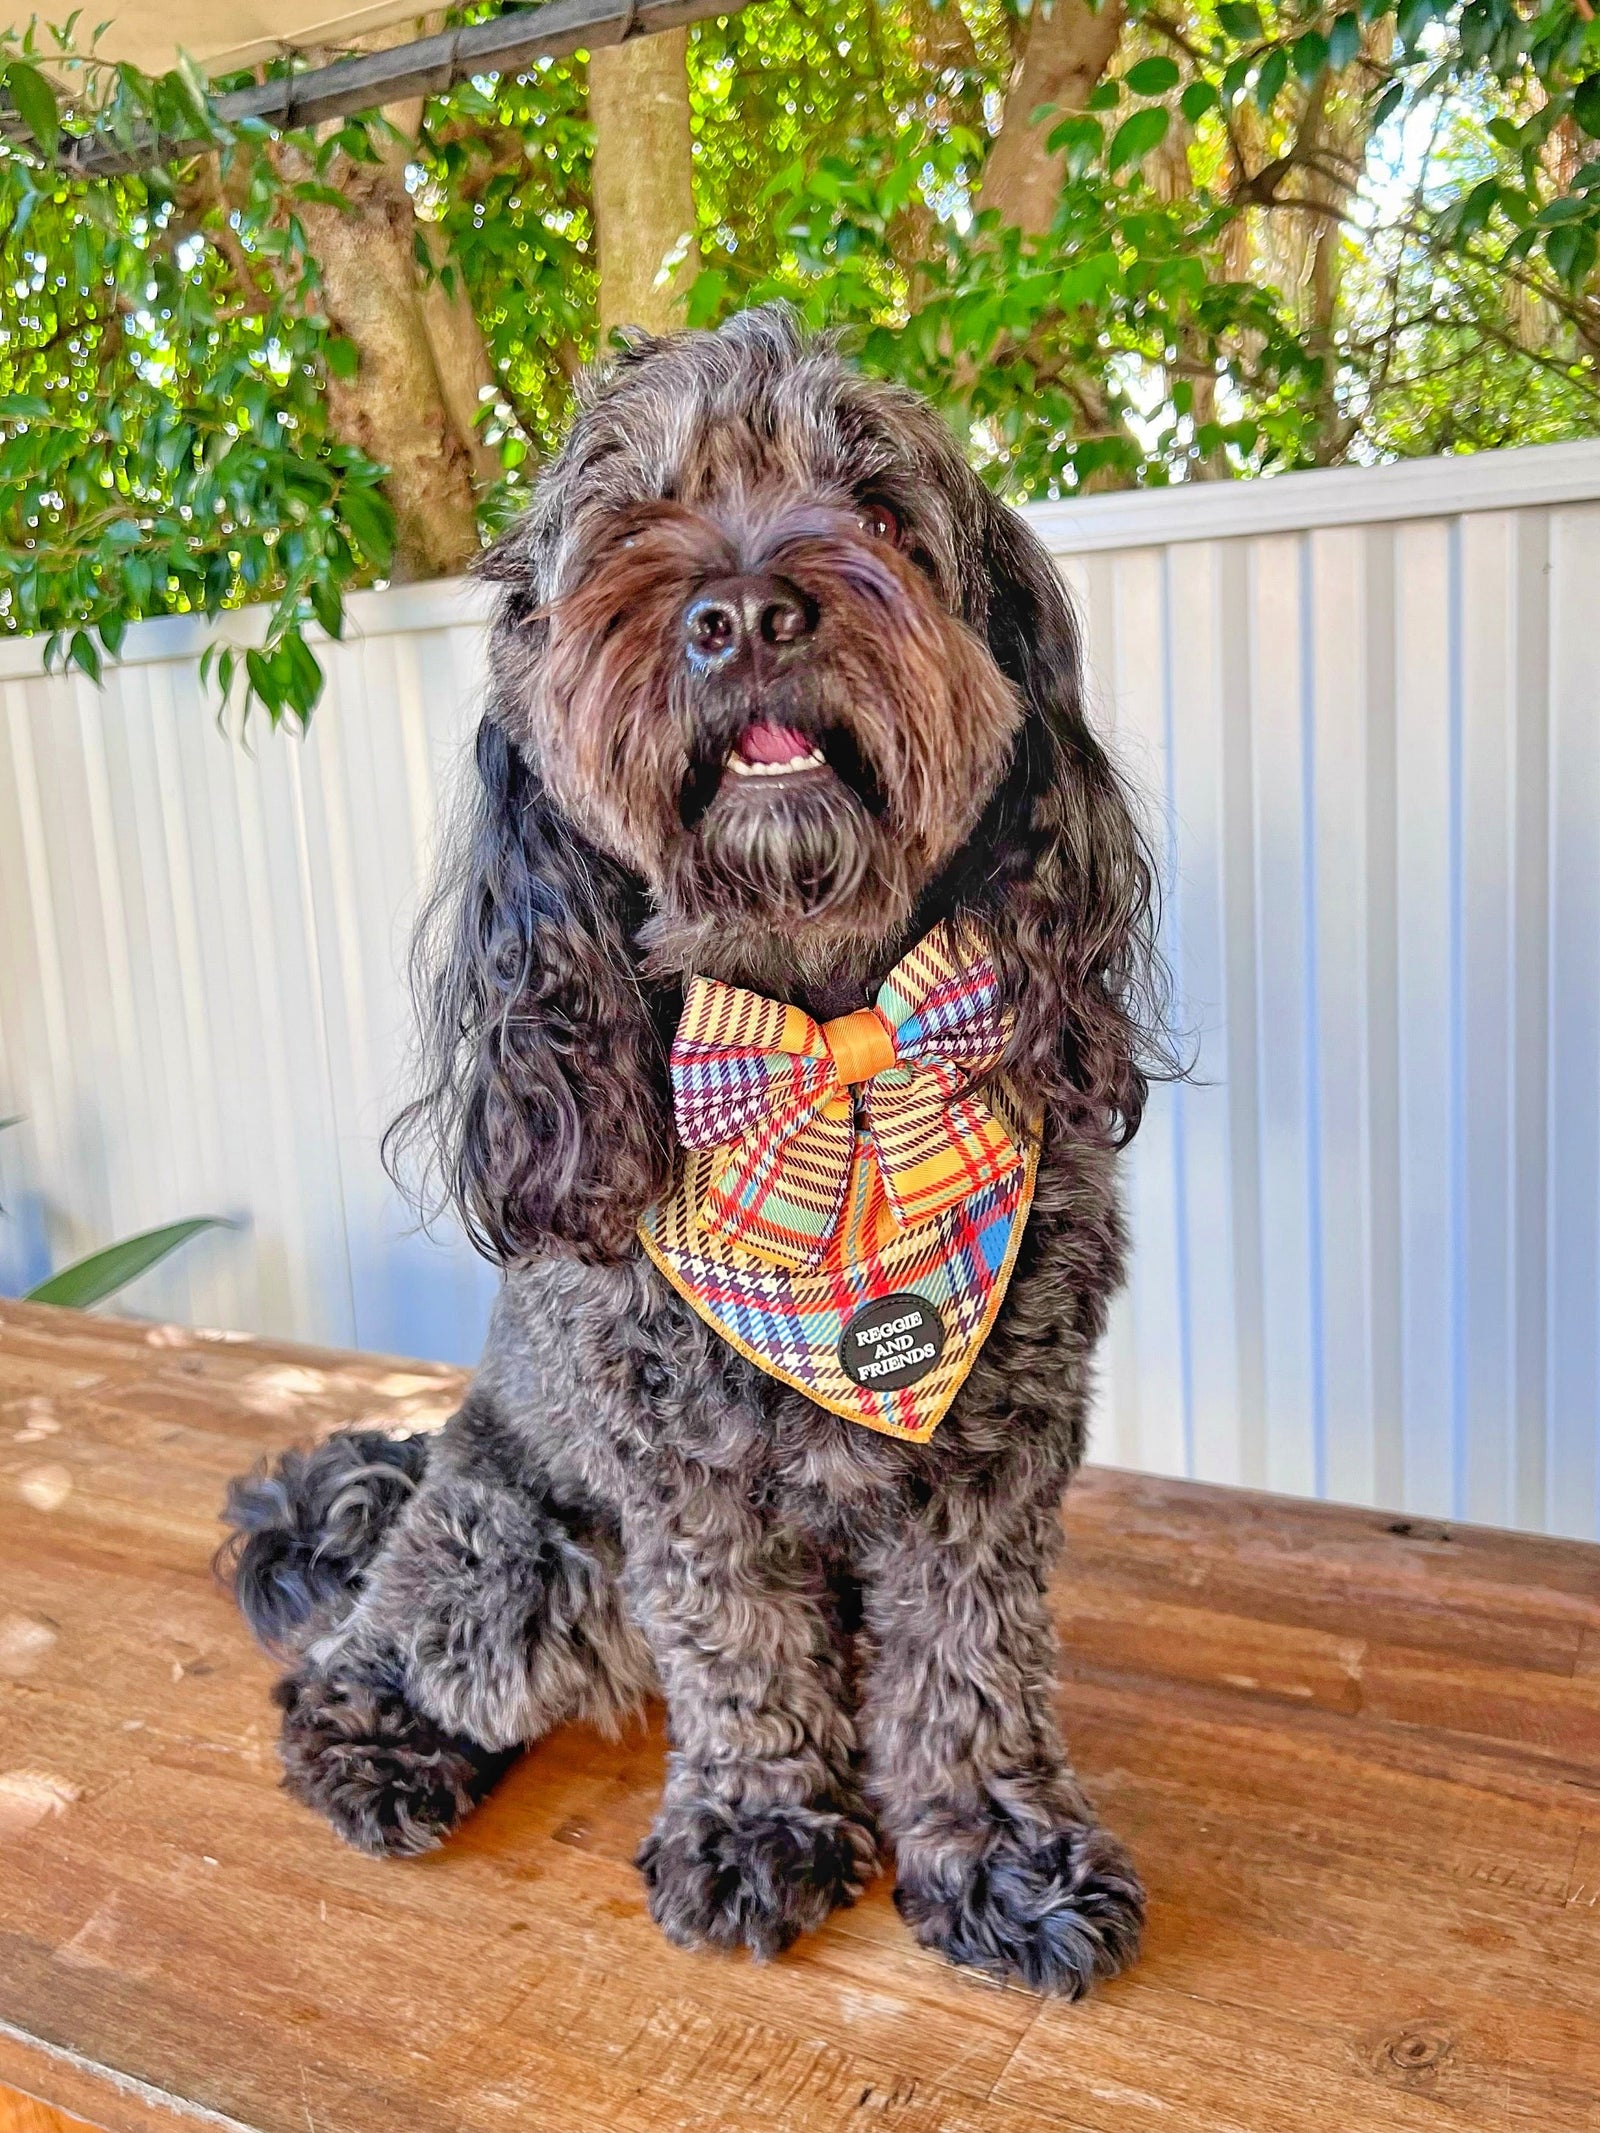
<point x="1070" y="897"/>
<point x="543" y="1116"/>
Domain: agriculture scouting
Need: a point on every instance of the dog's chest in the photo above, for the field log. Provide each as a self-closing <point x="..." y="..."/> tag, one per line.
<point x="620" y="1379"/>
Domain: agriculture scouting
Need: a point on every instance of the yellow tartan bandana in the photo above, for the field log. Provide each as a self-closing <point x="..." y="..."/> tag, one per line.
<point x="849" y="1208"/>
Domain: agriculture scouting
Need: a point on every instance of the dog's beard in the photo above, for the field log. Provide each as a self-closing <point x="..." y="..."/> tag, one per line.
<point x="812" y="845"/>
<point x="802" y="855"/>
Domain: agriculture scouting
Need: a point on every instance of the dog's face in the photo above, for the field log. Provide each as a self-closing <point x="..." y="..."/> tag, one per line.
<point x="751" y="654"/>
<point x="775" y="682"/>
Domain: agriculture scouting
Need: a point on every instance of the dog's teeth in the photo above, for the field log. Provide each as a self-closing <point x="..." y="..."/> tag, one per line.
<point x="743" y="768"/>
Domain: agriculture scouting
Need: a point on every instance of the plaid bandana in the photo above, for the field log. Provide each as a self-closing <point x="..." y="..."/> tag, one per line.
<point x="849" y="1210"/>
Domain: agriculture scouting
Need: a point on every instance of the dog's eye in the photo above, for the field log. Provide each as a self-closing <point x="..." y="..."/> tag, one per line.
<point x="876" y="518"/>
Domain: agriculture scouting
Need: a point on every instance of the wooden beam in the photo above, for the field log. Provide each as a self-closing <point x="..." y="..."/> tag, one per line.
<point x="427" y="67"/>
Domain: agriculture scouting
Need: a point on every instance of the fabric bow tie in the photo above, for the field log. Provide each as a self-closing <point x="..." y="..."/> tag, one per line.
<point x="778" y="1090"/>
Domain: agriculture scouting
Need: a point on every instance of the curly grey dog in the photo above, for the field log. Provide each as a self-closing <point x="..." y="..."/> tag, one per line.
<point x="851" y="1633"/>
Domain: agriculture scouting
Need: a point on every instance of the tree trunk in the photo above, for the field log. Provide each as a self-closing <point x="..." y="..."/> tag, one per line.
<point x="460" y="355"/>
<point x="643" y="181"/>
<point x="393" y="407"/>
<point x="421" y="360"/>
<point x="1067" y="51"/>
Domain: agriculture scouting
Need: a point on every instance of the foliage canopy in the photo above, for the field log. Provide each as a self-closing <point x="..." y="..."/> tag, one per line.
<point x="1285" y="233"/>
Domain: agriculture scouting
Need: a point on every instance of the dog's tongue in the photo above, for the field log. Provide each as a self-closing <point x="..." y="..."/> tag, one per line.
<point x="772" y="744"/>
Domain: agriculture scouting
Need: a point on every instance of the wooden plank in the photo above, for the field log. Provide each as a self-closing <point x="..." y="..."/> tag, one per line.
<point x="25" y="2114"/>
<point x="1357" y="1758"/>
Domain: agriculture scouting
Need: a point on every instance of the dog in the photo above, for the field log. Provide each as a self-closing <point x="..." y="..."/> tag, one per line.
<point x="777" y="688"/>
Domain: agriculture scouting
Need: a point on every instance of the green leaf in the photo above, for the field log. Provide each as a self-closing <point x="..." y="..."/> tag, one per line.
<point x="263" y="678"/>
<point x="1082" y="137"/>
<point x="1476" y="209"/>
<point x="1571" y="251"/>
<point x="328" y="608"/>
<point x="1197" y="100"/>
<point x="90" y="1281"/>
<point x="1344" y="41"/>
<point x="1274" y="73"/>
<point x="1237" y="19"/>
<point x="1586" y="104"/>
<point x="36" y="103"/>
<point x="1388" y="103"/>
<point x="342" y="357"/>
<point x="1087" y="280"/>
<point x="1569" y="208"/>
<point x="370" y="520"/>
<point x="1152" y="77"/>
<point x="1310" y="54"/>
<point x="1104" y="96"/>
<point x="1136" y="137"/>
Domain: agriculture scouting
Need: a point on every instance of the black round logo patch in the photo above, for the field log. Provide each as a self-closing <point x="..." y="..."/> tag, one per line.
<point x="891" y="1342"/>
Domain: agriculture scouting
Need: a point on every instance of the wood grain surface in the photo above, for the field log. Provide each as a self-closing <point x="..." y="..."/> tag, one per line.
<point x="1357" y="1758"/>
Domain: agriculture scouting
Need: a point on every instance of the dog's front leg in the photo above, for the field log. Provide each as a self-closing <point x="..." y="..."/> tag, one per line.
<point x="761" y="1830"/>
<point x="1000" y="1863"/>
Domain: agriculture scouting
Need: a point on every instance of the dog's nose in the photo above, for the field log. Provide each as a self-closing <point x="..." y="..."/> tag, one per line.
<point x="744" y="619"/>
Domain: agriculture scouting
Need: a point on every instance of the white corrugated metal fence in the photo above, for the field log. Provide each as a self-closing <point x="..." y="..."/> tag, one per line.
<point x="1366" y="708"/>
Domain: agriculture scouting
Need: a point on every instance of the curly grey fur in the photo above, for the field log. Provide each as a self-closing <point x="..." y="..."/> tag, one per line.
<point x="851" y="1633"/>
<point x="302" y="1531"/>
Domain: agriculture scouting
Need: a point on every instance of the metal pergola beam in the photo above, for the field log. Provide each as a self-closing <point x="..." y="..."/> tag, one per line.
<point x="425" y="68"/>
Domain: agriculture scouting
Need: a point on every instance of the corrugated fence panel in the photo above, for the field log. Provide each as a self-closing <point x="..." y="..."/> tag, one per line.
<point x="1364" y="708"/>
<point x="200" y="999"/>
<point x="1367" y="1232"/>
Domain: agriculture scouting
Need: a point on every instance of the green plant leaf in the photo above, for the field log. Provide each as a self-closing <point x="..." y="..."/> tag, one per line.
<point x="36" y="102"/>
<point x="1152" y="77"/>
<point x="1586" y="104"/>
<point x="1310" y="54"/>
<point x="1197" y="100"/>
<point x="1344" y="40"/>
<point x="90" y="1281"/>
<point x="1082" y="138"/>
<point x="1476" y="209"/>
<point x="1569" y="208"/>
<point x="1135" y="137"/>
<point x="1274" y="73"/>
<point x="1571" y="250"/>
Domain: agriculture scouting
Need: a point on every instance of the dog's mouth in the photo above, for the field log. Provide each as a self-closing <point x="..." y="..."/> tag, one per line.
<point x="765" y="750"/>
<point x="772" y="760"/>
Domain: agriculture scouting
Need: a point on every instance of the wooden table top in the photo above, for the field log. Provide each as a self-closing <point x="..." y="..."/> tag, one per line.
<point x="1356" y="1757"/>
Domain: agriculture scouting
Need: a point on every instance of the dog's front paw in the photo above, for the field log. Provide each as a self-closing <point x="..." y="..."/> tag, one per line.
<point x="1055" y="1908"/>
<point x="390" y="1781"/>
<point x="729" y="1877"/>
